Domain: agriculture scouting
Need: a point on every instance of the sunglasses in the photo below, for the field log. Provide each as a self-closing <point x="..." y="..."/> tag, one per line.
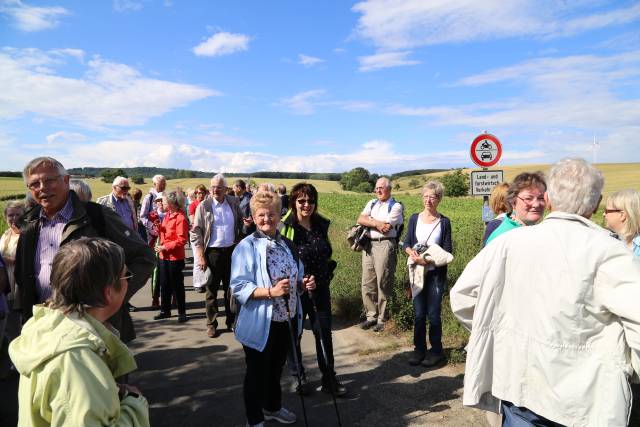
<point x="122" y="187"/>
<point x="127" y="275"/>
<point x="608" y="211"/>
<point x="305" y="201"/>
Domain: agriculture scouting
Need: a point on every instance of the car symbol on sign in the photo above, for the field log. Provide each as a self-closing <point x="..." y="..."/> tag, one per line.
<point x="486" y="145"/>
<point x="486" y="155"/>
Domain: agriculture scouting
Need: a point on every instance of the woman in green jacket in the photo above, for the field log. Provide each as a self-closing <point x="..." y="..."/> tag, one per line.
<point x="68" y="356"/>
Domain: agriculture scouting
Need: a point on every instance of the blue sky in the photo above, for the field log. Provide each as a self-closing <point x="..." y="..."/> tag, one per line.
<point x="318" y="86"/>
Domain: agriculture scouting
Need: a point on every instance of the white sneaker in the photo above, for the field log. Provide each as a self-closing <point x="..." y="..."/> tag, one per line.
<point x="283" y="415"/>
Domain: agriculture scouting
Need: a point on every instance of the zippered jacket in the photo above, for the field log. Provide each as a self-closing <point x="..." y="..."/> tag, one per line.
<point x="68" y="365"/>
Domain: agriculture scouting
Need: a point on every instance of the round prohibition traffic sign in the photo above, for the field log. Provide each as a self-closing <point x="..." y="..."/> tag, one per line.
<point x="486" y="150"/>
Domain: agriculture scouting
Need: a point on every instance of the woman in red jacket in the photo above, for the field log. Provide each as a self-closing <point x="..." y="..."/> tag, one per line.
<point x="174" y="232"/>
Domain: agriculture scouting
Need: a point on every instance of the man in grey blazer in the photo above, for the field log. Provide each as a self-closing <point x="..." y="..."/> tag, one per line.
<point x="217" y="227"/>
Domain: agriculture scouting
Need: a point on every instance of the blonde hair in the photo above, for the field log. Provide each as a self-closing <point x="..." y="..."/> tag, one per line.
<point x="266" y="200"/>
<point x="629" y="202"/>
<point x="498" y="198"/>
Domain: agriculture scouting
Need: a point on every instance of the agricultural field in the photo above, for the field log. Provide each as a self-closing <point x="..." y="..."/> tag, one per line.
<point x="343" y="208"/>
<point x="617" y="176"/>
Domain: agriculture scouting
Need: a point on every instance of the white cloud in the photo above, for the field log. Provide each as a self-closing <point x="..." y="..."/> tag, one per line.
<point x="126" y="5"/>
<point x="108" y="93"/>
<point x="31" y="18"/>
<point x="222" y="43"/>
<point x="575" y="91"/>
<point x="406" y="24"/>
<point x="376" y="155"/>
<point x="303" y="103"/>
<point x="308" y="61"/>
<point x="385" y="60"/>
<point x="65" y="137"/>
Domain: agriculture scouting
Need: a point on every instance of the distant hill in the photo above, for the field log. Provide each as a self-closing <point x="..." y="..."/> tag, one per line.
<point x="171" y="173"/>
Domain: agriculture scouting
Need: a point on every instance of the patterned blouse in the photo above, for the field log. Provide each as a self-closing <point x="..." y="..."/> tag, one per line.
<point x="281" y="265"/>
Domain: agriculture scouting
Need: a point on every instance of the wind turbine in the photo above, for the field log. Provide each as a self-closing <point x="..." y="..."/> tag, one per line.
<point x="595" y="147"/>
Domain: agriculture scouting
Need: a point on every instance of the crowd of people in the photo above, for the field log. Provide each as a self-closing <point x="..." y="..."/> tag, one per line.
<point x="551" y="302"/>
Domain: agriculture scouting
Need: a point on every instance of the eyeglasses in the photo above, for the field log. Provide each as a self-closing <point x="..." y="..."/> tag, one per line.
<point x="530" y="200"/>
<point x="45" y="182"/>
<point x="305" y="201"/>
<point x="432" y="198"/>
<point x="608" y="211"/>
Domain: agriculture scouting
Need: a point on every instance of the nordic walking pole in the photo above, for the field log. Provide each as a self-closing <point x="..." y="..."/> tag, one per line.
<point x="285" y="297"/>
<point x="312" y="297"/>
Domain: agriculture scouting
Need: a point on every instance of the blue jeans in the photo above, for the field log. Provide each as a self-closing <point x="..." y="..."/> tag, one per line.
<point x="514" y="416"/>
<point x="427" y="305"/>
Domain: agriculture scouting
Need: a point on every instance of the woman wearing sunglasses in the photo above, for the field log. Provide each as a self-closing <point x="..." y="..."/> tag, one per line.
<point x="308" y="230"/>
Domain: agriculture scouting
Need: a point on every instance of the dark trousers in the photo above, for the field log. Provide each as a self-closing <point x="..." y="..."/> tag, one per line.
<point x="264" y="368"/>
<point x="323" y="322"/>
<point x="219" y="261"/>
<point x="514" y="416"/>
<point x="427" y="305"/>
<point x="171" y="283"/>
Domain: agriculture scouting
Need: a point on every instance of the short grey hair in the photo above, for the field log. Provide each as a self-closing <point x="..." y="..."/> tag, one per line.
<point x="80" y="272"/>
<point x="118" y="179"/>
<point x="174" y="198"/>
<point x="157" y="178"/>
<point x="14" y="204"/>
<point x="81" y="188"/>
<point x="386" y="181"/>
<point x="436" y="187"/>
<point x="42" y="161"/>
<point x="219" y="177"/>
<point x="574" y="186"/>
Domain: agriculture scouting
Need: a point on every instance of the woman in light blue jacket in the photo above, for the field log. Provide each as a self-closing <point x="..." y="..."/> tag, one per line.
<point x="265" y="278"/>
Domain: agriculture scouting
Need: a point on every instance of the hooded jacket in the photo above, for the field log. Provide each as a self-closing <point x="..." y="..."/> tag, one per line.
<point x="67" y="367"/>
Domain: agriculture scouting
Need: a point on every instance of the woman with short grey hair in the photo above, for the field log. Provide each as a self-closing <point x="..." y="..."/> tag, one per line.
<point x="427" y="228"/>
<point x="68" y="356"/>
<point x="174" y="233"/>
<point x="81" y="188"/>
<point x="572" y="187"/>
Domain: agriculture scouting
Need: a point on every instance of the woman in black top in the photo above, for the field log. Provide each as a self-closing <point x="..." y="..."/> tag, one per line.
<point x="309" y="232"/>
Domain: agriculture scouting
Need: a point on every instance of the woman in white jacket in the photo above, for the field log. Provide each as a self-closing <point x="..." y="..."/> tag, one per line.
<point x="553" y="314"/>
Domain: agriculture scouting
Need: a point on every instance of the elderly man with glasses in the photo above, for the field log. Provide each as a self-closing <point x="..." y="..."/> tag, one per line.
<point x="217" y="227"/>
<point x="59" y="218"/>
<point x="121" y="202"/>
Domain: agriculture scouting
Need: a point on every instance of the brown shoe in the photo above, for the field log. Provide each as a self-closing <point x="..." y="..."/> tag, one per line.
<point x="211" y="331"/>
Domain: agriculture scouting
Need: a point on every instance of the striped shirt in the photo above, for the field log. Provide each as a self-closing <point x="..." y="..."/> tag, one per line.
<point x="123" y="208"/>
<point x="49" y="239"/>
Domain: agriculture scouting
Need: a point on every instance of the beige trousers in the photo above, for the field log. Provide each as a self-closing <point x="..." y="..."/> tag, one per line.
<point x="378" y="274"/>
